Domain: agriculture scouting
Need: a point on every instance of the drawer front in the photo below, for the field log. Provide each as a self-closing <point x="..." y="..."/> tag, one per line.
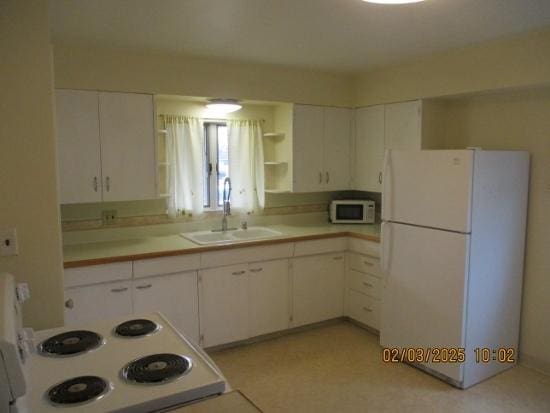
<point x="95" y="274"/>
<point x="245" y="254"/>
<point x="319" y="246"/>
<point x="166" y="265"/>
<point x="363" y="308"/>
<point x="362" y="246"/>
<point x="365" y="283"/>
<point x="365" y="263"/>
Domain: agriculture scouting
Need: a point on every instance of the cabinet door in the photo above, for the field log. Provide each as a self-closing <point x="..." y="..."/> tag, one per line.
<point x="175" y="296"/>
<point x="337" y="149"/>
<point x="223" y="304"/>
<point x="318" y="288"/>
<point x="403" y="125"/>
<point x="369" y="148"/>
<point x="307" y="141"/>
<point x="97" y="302"/>
<point x="79" y="163"/>
<point x="269" y="298"/>
<point x="127" y="146"/>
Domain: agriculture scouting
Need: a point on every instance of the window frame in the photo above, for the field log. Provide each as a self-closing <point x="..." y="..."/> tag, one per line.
<point x="211" y="166"/>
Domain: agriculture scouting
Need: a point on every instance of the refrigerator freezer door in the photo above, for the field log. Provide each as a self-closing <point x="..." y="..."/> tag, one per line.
<point x="423" y="300"/>
<point x="428" y="188"/>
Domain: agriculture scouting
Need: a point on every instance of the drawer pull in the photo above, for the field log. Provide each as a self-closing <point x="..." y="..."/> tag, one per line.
<point x="370" y="264"/>
<point x="144" y="287"/>
<point x="256" y="269"/>
<point x="368" y="310"/>
<point x="238" y="272"/>
<point x="119" y="290"/>
<point x="69" y="303"/>
<point x="366" y="284"/>
<point x="338" y="258"/>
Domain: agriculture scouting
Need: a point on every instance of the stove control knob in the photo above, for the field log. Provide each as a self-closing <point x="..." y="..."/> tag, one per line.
<point x="69" y="303"/>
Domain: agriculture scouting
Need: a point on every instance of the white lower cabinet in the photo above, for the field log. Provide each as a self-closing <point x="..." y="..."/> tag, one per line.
<point x="269" y="301"/>
<point x="243" y="300"/>
<point x="318" y="288"/>
<point x="95" y="302"/>
<point x="223" y="304"/>
<point x="174" y="295"/>
<point x="364" y="289"/>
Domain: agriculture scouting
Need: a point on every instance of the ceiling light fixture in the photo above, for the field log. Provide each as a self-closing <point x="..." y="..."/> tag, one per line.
<point x="223" y="105"/>
<point x="393" y="1"/>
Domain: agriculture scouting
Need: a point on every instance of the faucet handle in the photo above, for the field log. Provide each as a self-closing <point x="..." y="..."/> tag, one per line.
<point x="244" y="225"/>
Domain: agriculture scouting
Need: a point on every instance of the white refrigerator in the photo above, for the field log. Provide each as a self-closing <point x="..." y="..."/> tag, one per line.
<point x="453" y="234"/>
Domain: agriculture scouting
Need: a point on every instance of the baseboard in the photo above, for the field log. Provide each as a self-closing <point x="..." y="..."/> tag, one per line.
<point x="534" y="363"/>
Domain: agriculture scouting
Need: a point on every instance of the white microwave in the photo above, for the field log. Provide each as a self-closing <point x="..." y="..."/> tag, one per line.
<point x="348" y="211"/>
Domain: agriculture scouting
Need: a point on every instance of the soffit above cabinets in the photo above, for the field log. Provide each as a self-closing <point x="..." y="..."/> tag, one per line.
<point x="333" y="35"/>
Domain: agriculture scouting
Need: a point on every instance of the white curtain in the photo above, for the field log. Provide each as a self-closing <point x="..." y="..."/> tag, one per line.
<point x="246" y="165"/>
<point x="185" y="143"/>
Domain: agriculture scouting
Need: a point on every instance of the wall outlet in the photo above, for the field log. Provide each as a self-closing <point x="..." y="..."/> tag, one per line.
<point x="8" y="242"/>
<point x="109" y="216"/>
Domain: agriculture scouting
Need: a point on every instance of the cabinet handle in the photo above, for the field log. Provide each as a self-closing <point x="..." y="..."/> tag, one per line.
<point x="370" y="264"/>
<point x="320" y="177"/>
<point x="144" y="287"/>
<point x="95" y="183"/>
<point x="368" y="310"/>
<point x="328" y="177"/>
<point x="108" y="184"/>
<point x="119" y="290"/>
<point x="256" y="269"/>
<point x="238" y="272"/>
<point x="366" y="284"/>
<point x="337" y="258"/>
<point x="380" y="177"/>
<point x="69" y="303"/>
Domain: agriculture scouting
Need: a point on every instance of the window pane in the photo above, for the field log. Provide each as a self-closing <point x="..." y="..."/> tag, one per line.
<point x="206" y="163"/>
<point x="223" y="160"/>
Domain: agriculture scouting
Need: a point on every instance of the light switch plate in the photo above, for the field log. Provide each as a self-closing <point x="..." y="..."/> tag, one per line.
<point x="8" y="242"/>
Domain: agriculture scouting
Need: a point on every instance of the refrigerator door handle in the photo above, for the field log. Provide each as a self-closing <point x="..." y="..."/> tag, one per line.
<point x="386" y="186"/>
<point x="385" y="253"/>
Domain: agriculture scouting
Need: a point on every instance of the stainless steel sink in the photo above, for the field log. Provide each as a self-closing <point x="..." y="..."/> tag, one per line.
<point x="236" y="235"/>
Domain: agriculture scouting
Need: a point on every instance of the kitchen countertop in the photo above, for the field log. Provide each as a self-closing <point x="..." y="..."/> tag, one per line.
<point x="94" y="253"/>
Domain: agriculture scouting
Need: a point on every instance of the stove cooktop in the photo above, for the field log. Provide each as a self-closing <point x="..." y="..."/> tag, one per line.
<point x="163" y="369"/>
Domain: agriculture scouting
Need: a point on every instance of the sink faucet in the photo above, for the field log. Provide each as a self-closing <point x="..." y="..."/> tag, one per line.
<point x="226" y="202"/>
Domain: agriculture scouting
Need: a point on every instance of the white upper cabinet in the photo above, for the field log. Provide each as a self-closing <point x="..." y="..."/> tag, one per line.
<point x="321" y="139"/>
<point x="403" y="125"/>
<point x="381" y="127"/>
<point x="369" y="148"/>
<point x="78" y="147"/>
<point x="106" y="146"/>
<point x="127" y="146"/>
<point x="308" y="148"/>
<point x="337" y="135"/>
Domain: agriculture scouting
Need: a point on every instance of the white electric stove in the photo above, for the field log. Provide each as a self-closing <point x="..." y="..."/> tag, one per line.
<point x="140" y="364"/>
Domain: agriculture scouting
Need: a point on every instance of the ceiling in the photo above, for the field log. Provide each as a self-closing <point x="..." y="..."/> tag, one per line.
<point x="333" y="35"/>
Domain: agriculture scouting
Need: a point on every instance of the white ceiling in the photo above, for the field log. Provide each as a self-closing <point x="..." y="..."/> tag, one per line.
<point x="334" y="35"/>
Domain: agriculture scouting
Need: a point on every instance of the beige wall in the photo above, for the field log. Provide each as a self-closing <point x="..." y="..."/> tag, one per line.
<point x="28" y="180"/>
<point x="508" y="63"/>
<point x="87" y="68"/>
<point x="517" y="120"/>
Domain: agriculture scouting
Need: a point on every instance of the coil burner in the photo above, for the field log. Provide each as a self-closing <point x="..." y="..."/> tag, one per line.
<point x="157" y="368"/>
<point x="78" y="390"/>
<point x="136" y="328"/>
<point x="70" y="343"/>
